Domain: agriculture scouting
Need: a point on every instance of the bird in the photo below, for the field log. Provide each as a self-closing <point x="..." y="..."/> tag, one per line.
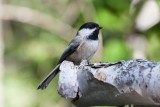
<point x="82" y="47"/>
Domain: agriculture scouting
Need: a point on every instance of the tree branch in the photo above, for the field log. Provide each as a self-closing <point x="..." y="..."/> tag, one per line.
<point x="36" y="18"/>
<point x="101" y="84"/>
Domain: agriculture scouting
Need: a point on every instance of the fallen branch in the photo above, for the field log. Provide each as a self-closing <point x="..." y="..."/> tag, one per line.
<point x="36" y="18"/>
<point x="134" y="82"/>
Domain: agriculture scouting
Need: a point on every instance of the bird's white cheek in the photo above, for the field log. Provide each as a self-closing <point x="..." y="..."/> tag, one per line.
<point x="86" y="32"/>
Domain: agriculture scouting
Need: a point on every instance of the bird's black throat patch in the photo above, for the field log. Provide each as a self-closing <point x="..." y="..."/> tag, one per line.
<point x="94" y="35"/>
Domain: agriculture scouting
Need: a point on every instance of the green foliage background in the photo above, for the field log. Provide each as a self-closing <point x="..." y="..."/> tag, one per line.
<point x="31" y="52"/>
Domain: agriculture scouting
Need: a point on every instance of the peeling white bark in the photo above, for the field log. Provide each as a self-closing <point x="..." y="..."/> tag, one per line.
<point x="134" y="82"/>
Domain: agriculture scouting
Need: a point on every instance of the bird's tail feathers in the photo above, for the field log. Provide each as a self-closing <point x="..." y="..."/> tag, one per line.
<point x="48" y="79"/>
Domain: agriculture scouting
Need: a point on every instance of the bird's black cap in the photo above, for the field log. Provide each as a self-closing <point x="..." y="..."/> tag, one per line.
<point x="90" y="25"/>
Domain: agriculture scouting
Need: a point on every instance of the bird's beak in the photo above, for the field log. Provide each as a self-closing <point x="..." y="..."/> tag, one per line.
<point x="100" y="27"/>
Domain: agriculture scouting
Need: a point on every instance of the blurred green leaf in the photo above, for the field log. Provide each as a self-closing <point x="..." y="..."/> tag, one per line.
<point x="111" y="21"/>
<point x="154" y="47"/>
<point x="115" y="50"/>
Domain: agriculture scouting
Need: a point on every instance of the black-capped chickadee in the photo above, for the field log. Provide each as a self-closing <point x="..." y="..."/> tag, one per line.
<point x="82" y="47"/>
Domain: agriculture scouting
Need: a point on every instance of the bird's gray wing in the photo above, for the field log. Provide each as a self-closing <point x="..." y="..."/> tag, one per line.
<point x="68" y="51"/>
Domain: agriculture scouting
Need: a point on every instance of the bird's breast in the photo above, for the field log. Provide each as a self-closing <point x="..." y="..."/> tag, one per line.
<point x="85" y="51"/>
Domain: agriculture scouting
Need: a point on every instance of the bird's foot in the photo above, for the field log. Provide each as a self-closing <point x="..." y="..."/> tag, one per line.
<point x="84" y="62"/>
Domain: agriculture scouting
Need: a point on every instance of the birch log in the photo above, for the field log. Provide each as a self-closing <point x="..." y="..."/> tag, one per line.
<point x="134" y="82"/>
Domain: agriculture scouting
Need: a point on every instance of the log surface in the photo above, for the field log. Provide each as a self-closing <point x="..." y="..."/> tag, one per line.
<point x="134" y="82"/>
